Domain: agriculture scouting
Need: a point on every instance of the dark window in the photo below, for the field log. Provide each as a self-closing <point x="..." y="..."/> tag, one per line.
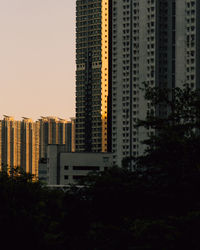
<point x="86" y="168"/>
<point x="42" y="172"/>
<point x="78" y="177"/>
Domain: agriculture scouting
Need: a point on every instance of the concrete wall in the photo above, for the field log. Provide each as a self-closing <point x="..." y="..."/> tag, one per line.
<point x="67" y="168"/>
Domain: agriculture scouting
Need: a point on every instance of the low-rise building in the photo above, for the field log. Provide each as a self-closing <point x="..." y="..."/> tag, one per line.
<point x="67" y="168"/>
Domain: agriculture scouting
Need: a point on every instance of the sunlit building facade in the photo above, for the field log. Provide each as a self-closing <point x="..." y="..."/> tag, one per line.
<point x="121" y="44"/>
<point x="30" y="146"/>
<point x="54" y="130"/>
<point x="10" y="144"/>
<point x="24" y="143"/>
<point x="92" y="75"/>
<point x="19" y="145"/>
<point x="70" y="135"/>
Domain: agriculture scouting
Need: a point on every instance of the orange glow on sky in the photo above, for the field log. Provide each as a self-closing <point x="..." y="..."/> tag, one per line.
<point x="37" y="58"/>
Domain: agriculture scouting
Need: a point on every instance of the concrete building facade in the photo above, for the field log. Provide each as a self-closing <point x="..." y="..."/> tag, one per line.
<point x="54" y="130"/>
<point x="30" y="146"/>
<point x="92" y="75"/>
<point x="154" y="42"/>
<point x="70" y="138"/>
<point x="67" y="168"/>
<point x="24" y="143"/>
<point x="121" y="44"/>
<point x="10" y="144"/>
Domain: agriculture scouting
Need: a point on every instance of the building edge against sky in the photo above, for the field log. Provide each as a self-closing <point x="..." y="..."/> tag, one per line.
<point x="151" y="41"/>
<point x="23" y="143"/>
<point x="92" y="75"/>
<point x="120" y="44"/>
<point x="156" y="42"/>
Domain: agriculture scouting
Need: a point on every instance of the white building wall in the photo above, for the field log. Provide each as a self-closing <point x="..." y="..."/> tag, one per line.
<point x="75" y="165"/>
<point x="129" y="60"/>
<point x="67" y="168"/>
<point x="144" y="35"/>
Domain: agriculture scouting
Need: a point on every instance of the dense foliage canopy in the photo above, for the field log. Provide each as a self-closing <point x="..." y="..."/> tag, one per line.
<point x="155" y="207"/>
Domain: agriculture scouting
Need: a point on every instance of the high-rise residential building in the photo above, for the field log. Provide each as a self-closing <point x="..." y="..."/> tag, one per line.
<point x="19" y="144"/>
<point x="10" y="144"/>
<point x="70" y="135"/>
<point x="73" y="135"/>
<point x="30" y="146"/>
<point x="48" y="133"/>
<point x="54" y="130"/>
<point x="92" y="75"/>
<point x="154" y="42"/>
<point x="121" y="44"/>
<point x="187" y="49"/>
<point x="24" y="143"/>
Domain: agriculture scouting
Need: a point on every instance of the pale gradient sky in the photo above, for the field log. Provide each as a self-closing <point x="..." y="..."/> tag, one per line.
<point x="37" y="58"/>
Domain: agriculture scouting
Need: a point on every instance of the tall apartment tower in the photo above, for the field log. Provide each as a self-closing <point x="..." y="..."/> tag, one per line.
<point x="73" y="134"/>
<point x="10" y="144"/>
<point x="70" y="135"/>
<point x="187" y="46"/>
<point x="24" y="143"/>
<point x="54" y="130"/>
<point x="156" y="42"/>
<point x="92" y="75"/>
<point x="30" y="146"/>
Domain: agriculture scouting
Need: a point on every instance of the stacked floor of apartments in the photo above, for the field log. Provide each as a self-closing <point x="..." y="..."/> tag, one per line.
<point x="24" y="143"/>
<point x="148" y="41"/>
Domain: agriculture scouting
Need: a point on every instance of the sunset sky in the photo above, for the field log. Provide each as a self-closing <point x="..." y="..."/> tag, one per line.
<point x="37" y="58"/>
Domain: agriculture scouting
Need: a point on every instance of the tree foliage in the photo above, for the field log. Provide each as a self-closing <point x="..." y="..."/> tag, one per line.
<point x="155" y="207"/>
<point x="175" y="143"/>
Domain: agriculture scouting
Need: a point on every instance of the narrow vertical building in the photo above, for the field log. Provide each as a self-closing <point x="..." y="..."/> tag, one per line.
<point x="70" y="135"/>
<point x="92" y="75"/>
<point x="29" y="146"/>
<point x="73" y="135"/>
<point x="10" y="143"/>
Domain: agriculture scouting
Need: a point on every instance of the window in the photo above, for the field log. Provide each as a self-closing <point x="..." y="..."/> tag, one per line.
<point x="86" y="168"/>
<point x="78" y="177"/>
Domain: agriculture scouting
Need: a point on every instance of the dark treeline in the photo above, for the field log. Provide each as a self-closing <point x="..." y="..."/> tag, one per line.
<point x="156" y="206"/>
